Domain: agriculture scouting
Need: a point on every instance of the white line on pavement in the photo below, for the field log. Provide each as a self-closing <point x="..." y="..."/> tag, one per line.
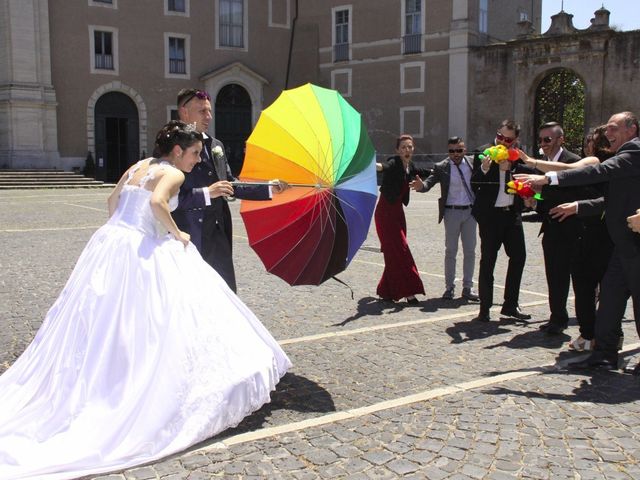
<point x="388" y="404"/>
<point x="51" y="229"/>
<point x="442" y="276"/>
<point x="387" y="326"/>
<point x="88" y="208"/>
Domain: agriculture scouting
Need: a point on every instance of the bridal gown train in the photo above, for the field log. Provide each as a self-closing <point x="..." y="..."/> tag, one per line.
<point x="145" y="352"/>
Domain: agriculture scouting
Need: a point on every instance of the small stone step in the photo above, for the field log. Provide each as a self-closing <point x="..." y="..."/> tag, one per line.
<point x="46" y="178"/>
<point x="42" y="187"/>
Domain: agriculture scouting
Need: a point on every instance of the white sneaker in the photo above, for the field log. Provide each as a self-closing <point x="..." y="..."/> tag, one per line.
<point x="581" y="345"/>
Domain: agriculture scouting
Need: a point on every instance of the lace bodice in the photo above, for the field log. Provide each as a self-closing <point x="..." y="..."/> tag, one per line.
<point x="134" y="208"/>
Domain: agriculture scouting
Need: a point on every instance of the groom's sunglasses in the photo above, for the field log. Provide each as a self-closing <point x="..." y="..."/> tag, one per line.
<point x="200" y="94"/>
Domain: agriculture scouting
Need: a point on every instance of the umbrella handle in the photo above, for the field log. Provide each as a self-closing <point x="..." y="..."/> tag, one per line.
<point x="312" y="185"/>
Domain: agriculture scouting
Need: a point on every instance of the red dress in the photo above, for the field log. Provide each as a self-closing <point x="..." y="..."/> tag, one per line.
<point x="400" y="277"/>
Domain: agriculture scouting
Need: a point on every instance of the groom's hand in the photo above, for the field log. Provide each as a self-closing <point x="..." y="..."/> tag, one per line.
<point x="222" y="188"/>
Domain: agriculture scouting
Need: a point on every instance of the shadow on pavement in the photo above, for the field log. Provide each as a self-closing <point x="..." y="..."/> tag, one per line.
<point x="434" y="304"/>
<point x="372" y="306"/>
<point x="602" y="387"/>
<point x="368" y="306"/>
<point x="469" y="330"/>
<point x="294" y="392"/>
<point x="533" y="339"/>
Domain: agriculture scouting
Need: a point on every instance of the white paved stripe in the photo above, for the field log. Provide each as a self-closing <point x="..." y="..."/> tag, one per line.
<point x="104" y="210"/>
<point x="387" y="326"/>
<point x="388" y="404"/>
<point x="51" y="229"/>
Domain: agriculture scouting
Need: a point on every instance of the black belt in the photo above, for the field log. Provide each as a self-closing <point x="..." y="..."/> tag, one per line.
<point x="506" y="209"/>
<point x="458" y="207"/>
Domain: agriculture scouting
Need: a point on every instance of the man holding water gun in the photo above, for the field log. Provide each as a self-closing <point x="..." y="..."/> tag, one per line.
<point x="499" y="220"/>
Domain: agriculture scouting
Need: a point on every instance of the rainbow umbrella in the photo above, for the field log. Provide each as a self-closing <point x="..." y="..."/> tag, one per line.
<point x="314" y="140"/>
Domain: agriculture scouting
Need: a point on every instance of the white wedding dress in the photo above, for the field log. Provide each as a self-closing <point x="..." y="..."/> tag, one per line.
<point x="145" y="352"/>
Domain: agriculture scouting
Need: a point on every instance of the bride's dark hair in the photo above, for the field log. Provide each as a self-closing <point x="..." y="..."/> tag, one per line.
<point x="175" y="133"/>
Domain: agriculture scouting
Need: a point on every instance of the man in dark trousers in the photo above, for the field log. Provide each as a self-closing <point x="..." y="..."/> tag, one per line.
<point x="203" y="211"/>
<point x="454" y="207"/>
<point x="622" y="197"/>
<point x="559" y="239"/>
<point x="499" y="223"/>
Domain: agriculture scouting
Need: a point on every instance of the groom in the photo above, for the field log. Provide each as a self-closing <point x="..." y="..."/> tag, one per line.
<point x="203" y="211"/>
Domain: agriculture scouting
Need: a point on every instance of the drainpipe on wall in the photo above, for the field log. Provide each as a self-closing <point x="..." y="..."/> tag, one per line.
<point x="293" y="31"/>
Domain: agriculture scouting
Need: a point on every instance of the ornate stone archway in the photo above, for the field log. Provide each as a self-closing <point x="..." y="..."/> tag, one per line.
<point x="239" y="74"/>
<point x="116" y="86"/>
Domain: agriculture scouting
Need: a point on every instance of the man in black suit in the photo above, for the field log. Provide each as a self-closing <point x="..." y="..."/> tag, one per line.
<point x="454" y="207"/>
<point x="203" y="211"/>
<point x="559" y="238"/>
<point x="622" y="197"/>
<point x="499" y="223"/>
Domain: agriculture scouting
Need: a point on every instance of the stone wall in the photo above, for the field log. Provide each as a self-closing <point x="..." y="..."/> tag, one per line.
<point x="504" y="77"/>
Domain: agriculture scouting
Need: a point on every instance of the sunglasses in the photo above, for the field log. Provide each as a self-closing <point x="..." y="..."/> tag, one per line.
<point x="457" y="150"/>
<point x="501" y="138"/>
<point x="201" y="94"/>
<point x="545" y="139"/>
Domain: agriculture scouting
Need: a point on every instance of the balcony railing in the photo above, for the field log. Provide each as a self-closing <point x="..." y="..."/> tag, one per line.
<point x="104" y="62"/>
<point x="412" y="43"/>
<point x="341" y="52"/>
<point x="177" y="66"/>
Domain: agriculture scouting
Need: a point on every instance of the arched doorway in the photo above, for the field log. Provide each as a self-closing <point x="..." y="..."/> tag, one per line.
<point x="233" y="122"/>
<point x="560" y="98"/>
<point x="116" y="134"/>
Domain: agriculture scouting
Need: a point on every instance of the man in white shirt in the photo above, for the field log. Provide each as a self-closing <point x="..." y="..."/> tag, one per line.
<point x="454" y="207"/>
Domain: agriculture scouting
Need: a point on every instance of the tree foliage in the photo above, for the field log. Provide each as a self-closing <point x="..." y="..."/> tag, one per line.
<point x="560" y="98"/>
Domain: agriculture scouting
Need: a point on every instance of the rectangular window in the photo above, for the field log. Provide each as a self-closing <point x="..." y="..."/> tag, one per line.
<point x="177" y="6"/>
<point x="412" y="40"/>
<point x="103" y="50"/>
<point x="177" y="56"/>
<point x="341" y="44"/>
<point x="483" y="17"/>
<point x="231" y="23"/>
<point x="104" y="3"/>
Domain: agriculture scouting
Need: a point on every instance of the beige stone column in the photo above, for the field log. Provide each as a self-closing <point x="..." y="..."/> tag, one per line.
<point x="459" y="68"/>
<point x="28" y="125"/>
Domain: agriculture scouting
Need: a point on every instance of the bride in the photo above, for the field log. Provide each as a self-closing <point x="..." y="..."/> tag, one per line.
<point x="145" y="352"/>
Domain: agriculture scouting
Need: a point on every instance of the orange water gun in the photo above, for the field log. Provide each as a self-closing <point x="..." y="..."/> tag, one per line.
<point x="500" y="153"/>
<point x="516" y="187"/>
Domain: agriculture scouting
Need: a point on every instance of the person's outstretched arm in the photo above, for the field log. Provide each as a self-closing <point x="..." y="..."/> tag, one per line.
<point x="546" y="166"/>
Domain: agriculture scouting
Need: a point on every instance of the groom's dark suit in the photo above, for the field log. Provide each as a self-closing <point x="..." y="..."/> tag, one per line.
<point x="497" y="226"/>
<point x="210" y="226"/>
<point x="622" y="278"/>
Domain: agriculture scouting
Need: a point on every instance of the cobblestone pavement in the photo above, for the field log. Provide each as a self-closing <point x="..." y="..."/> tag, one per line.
<point x="376" y="391"/>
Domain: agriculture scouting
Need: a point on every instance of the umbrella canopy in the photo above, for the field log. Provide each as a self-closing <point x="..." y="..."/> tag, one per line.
<point x="314" y="140"/>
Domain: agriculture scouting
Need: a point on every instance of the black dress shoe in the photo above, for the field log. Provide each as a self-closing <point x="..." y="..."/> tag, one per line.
<point x="515" y="313"/>
<point x="413" y="301"/>
<point x="595" y="362"/>
<point x="554" y="329"/>
<point x="482" y="317"/>
<point x="385" y="300"/>
<point x="545" y="325"/>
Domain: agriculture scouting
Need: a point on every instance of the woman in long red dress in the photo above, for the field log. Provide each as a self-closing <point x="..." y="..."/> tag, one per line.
<point x="400" y="278"/>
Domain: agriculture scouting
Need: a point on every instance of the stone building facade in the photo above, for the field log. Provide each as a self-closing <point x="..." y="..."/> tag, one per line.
<point x="505" y="76"/>
<point x="101" y="76"/>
